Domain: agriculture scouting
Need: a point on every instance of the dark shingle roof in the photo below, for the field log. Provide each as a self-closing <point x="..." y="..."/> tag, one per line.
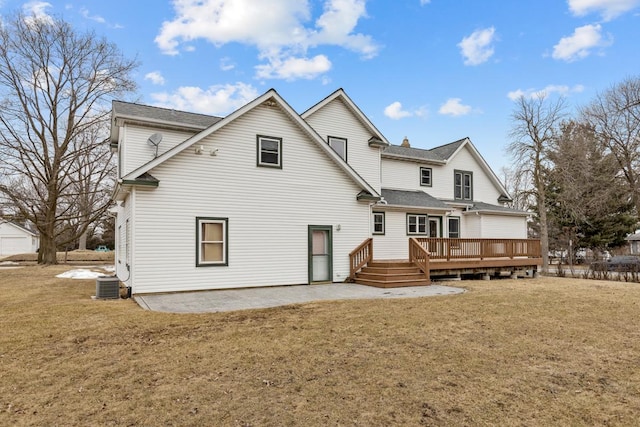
<point x="438" y="154"/>
<point x="419" y="199"/>
<point x="128" y="109"/>
<point x="481" y="206"/>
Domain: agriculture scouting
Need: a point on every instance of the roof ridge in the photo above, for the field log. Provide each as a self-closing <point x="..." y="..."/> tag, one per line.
<point x="166" y="109"/>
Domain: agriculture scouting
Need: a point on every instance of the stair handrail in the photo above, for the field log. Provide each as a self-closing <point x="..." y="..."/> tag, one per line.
<point x="360" y="257"/>
<point x="419" y="256"/>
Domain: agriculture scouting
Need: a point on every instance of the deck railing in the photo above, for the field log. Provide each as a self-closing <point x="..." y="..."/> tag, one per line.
<point x="360" y="256"/>
<point x="419" y="256"/>
<point x="448" y="249"/>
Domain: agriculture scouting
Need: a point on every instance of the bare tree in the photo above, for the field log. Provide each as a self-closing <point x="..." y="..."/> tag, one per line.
<point x="91" y="181"/>
<point x="615" y="116"/>
<point x="56" y="86"/>
<point x="535" y="127"/>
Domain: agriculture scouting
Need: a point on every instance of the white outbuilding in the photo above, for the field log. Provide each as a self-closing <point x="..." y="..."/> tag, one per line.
<point x="16" y="239"/>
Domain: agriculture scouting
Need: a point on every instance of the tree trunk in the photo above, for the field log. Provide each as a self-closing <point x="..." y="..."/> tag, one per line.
<point x="48" y="250"/>
<point x="82" y="241"/>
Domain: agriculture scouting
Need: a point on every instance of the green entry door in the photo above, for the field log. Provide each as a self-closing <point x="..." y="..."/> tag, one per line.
<point x="320" y="253"/>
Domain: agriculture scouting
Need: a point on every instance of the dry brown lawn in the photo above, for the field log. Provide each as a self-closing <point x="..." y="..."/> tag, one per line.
<point x="530" y="352"/>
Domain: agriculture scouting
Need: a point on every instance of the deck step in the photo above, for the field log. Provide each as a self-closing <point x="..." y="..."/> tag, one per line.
<point x="392" y="284"/>
<point x="391" y="274"/>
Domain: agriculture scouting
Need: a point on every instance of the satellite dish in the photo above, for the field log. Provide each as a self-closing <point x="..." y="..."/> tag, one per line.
<point x="155" y="140"/>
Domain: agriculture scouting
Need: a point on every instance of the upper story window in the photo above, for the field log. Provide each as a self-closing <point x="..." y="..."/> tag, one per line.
<point x="425" y="177"/>
<point x="269" y="151"/>
<point x="463" y="185"/>
<point x="378" y="223"/>
<point x="339" y="145"/>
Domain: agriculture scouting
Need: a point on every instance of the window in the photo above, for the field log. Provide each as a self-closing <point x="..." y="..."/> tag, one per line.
<point x="425" y="177"/>
<point x="269" y="151"/>
<point x="378" y="223"/>
<point x="463" y="185"/>
<point x="212" y="242"/>
<point x="339" y="145"/>
<point x="416" y="224"/>
<point x="454" y="228"/>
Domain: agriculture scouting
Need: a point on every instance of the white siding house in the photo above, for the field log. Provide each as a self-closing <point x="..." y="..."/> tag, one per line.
<point x="448" y="191"/>
<point x="15" y="239"/>
<point x="268" y="197"/>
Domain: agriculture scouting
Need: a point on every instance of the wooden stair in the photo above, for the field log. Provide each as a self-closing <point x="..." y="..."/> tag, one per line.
<point x="391" y="274"/>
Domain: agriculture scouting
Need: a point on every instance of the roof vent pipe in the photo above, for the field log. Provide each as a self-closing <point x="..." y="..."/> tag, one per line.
<point x="405" y="142"/>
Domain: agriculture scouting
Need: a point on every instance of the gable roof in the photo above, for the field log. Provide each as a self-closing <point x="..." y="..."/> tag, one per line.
<point x="412" y="198"/>
<point x="377" y="137"/>
<point x="160" y="117"/>
<point x="633" y="237"/>
<point x="443" y="155"/>
<point x="19" y="227"/>
<point x="438" y="155"/>
<point x="270" y="98"/>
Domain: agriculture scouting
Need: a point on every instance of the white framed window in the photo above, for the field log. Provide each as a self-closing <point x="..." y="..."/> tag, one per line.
<point x="269" y="151"/>
<point x="463" y="185"/>
<point x="417" y="224"/>
<point x="378" y="223"/>
<point x="425" y="177"/>
<point x="454" y="227"/>
<point x="339" y="145"/>
<point x="212" y="242"/>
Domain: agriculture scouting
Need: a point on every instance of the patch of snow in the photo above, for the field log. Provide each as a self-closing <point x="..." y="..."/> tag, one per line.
<point x="8" y="263"/>
<point x="81" y="273"/>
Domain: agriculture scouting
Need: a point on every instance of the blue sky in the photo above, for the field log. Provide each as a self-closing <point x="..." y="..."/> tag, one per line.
<point x="432" y="70"/>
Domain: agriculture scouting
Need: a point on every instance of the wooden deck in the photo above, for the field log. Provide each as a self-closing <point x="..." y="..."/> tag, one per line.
<point x="439" y="257"/>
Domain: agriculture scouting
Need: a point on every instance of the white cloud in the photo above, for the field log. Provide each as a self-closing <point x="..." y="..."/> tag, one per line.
<point x="454" y="107"/>
<point x="423" y="2"/>
<point x="85" y="14"/>
<point x="36" y="10"/>
<point x="226" y="64"/>
<point x="281" y="30"/>
<point x="580" y="43"/>
<point x="394" y="111"/>
<point x="477" y="48"/>
<point x="548" y="90"/>
<point x="155" y="77"/>
<point x="608" y="9"/>
<point x="215" y="100"/>
<point x="294" y="68"/>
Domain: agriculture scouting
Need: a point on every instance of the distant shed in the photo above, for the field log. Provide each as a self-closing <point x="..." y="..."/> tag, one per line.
<point x="16" y="239"/>
<point x="634" y="243"/>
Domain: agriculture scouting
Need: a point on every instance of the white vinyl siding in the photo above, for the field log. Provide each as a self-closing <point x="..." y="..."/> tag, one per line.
<point x="269" y="210"/>
<point x="504" y="227"/>
<point x="395" y="173"/>
<point x="135" y="151"/>
<point x="335" y="119"/>
<point x="394" y="243"/>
